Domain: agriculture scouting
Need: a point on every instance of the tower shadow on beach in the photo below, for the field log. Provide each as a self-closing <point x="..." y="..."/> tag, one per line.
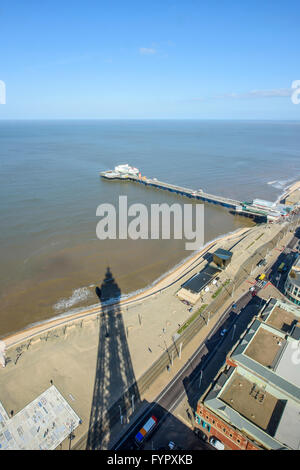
<point x="115" y="390"/>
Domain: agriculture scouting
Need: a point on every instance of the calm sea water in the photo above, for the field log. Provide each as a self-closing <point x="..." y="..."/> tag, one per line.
<point x="50" y="188"/>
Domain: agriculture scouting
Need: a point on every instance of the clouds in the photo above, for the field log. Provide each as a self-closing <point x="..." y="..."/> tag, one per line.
<point x="274" y="93"/>
<point x="147" y="51"/>
<point x="253" y="94"/>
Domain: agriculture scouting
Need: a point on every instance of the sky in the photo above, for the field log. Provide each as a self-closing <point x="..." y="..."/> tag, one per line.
<point x="167" y="59"/>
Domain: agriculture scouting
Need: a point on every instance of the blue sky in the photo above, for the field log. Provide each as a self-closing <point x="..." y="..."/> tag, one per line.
<point x="212" y="59"/>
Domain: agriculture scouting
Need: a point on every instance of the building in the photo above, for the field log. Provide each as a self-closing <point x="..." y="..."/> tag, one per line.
<point x="292" y="283"/>
<point x="192" y="288"/>
<point x="222" y="258"/>
<point x="254" y="401"/>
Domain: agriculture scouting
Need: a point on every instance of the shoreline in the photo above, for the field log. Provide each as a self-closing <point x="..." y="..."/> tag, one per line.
<point x="163" y="282"/>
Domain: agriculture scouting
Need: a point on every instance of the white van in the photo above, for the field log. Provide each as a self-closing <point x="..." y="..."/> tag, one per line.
<point x="216" y="443"/>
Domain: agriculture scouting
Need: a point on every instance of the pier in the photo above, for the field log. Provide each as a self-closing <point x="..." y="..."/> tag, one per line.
<point x="259" y="210"/>
<point x="190" y="193"/>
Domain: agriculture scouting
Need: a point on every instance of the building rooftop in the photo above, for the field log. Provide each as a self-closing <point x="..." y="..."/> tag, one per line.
<point x="253" y="402"/>
<point x="265" y="347"/>
<point x="201" y="279"/>
<point x="223" y="254"/>
<point x="282" y="319"/>
<point x="288" y="364"/>
<point x="281" y="315"/>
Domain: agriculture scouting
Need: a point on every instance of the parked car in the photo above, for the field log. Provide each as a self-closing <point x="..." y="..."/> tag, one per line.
<point x="223" y="332"/>
<point x="216" y="443"/>
<point x="200" y="434"/>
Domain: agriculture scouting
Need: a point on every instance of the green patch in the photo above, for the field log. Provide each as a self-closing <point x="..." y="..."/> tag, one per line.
<point x="259" y="236"/>
<point x="220" y="288"/>
<point x="250" y="245"/>
<point x="191" y="319"/>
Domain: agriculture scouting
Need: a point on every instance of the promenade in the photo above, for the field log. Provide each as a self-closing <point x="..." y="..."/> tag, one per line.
<point x="97" y="356"/>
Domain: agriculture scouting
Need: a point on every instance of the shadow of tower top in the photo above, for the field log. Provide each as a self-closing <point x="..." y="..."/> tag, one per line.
<point x="109" y="288"/>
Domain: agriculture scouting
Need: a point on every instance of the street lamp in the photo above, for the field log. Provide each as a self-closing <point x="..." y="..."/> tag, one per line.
<point x="121" y="416"/>
<point x="180" y="349"/>
<point x="233" y="332"/>
<point x="200" y="378"/>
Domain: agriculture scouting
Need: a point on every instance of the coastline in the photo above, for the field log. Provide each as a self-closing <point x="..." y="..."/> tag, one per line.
<point x="163" y="282"/>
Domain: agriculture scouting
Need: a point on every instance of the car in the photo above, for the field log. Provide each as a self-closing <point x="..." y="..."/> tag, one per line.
<point x="200" y="434"/>
<point x="254" y="293"/>
<point x="173" y="446"/>
<point x="216" y="443"/>
<point x="223" y="332"/>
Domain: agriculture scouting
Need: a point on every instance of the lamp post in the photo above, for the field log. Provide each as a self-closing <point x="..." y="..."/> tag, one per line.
<point x="233" y="332"/>
<point x="180" y="349"/>
<point x="200" y="378"/>
<point x="121" y="416"/>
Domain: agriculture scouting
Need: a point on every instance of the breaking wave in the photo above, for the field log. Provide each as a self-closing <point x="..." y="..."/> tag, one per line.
<point x="78" y="296"/>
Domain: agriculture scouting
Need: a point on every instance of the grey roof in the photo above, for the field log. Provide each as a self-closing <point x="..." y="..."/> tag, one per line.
<point x="296" y="333"/>
<point x="288" y="428"/>
<point x="201" y="279"/>
<point x="288" y="366"/>
<point x="223" y="254"/>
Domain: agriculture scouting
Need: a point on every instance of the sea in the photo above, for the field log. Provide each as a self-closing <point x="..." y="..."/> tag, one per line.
<point x="50" y="188"/>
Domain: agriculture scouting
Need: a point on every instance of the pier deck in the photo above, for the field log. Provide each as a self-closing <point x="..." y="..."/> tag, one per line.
<point x="190" y="193"/>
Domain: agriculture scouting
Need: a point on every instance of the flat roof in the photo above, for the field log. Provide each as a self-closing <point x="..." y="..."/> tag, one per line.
<point x="200" y="280"/>
<point x="282" y="319"/>
<point x="42" y="425"/>
<point x="253" y="402"/>
<point x="288" y="366"/>
<point x="289" y="426"/>
<point x="264" y="347"/>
